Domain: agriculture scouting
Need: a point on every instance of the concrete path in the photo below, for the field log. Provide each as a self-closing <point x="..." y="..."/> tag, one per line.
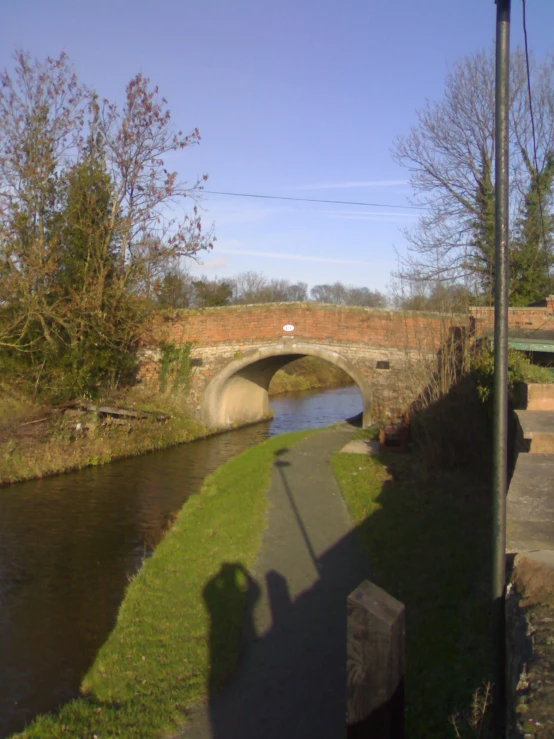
<point x="536" y="422"/>
<point x="530" y="502"/>
<point x="291" y="682"/>
<point x="530" y="509"/>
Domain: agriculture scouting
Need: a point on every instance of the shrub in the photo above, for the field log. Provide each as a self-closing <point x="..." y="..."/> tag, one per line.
<point x="520" y="369"/>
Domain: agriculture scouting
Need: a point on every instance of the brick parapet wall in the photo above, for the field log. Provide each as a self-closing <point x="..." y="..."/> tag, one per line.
<point x="522" y="319"/>
<point x="311" y="321"/>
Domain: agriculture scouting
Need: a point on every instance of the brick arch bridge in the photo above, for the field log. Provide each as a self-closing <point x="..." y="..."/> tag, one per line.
<point x="235" y="351"/>
<point x="238" y="394"/>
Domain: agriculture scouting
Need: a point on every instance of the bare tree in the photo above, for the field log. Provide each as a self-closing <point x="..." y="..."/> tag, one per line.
<point x="248" y="286"/>
<point x="440" y="297"/>
<point x="339" y="294"/>
<point x="254" y="287"/>
<point x="136" y="140"/>
<point x="449" y="154"/>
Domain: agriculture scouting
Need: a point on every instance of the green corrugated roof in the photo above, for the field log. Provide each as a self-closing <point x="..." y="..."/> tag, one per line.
<point x="526" y="345"/>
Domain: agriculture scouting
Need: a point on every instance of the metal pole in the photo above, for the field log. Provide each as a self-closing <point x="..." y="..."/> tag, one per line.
<point x="500" y="438"/>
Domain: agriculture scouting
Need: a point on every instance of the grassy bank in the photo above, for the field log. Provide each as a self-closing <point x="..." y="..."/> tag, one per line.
<point x="166" y="648"/>
<point x="308" y="373"/>
<point x="37" y="441"/>
<point x="428" y="541"/>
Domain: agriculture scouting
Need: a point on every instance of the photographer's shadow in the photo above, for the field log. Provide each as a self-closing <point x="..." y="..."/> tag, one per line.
<point x="231" y="584"/>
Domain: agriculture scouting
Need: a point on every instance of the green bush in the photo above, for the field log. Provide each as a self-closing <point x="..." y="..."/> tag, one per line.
<point x="520" y="369"/>
<point x="101" y="356"/>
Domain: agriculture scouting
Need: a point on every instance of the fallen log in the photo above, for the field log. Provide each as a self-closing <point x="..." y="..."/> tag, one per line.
<point x="106" y="410"/>
<point x="29" y="423"/>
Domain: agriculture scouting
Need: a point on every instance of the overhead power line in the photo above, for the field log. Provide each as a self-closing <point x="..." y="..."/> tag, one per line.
<point x="535" y="158"/>
<point x="311" y="200"/>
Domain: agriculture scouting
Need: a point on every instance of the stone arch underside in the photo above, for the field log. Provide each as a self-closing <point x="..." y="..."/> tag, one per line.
<point x="238" y="394"/>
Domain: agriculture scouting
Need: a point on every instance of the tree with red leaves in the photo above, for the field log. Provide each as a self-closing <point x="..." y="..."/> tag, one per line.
<point x="87" y="224"/>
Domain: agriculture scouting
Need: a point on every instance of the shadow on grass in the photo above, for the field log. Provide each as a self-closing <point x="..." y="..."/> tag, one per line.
<point x="429" y="545"/>
<point x="223" y="595"/>
<point x="428" y="541"/>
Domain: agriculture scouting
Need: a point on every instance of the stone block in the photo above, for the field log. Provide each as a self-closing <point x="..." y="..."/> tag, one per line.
<point x="375" y="664"/>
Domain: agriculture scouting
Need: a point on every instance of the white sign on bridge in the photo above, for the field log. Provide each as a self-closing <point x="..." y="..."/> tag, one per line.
<point x="288" y="327"/>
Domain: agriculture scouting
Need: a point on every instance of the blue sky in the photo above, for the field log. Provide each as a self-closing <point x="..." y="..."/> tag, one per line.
<point x="292" y="98"/>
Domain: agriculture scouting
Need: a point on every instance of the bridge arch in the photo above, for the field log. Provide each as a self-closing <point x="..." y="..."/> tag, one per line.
<point x="238" y="394"/>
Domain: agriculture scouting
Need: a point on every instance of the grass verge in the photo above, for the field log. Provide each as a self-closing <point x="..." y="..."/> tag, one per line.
<point x="164" y="651"/>
<point x="428" y="540"/>
<point x="39" y="441"/>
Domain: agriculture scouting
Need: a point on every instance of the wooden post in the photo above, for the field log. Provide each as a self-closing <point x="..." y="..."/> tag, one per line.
<point x="375" y="664"/>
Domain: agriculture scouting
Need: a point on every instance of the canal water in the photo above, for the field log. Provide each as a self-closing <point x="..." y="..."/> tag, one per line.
<point x="69" y="544"/>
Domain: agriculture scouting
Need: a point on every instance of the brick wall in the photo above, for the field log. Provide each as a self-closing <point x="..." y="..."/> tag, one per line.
<point x="311" y="321"/>
<point x="522" y="319"/>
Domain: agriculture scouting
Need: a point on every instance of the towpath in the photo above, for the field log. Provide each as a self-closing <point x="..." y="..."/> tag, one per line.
<point x="291" y="681"/>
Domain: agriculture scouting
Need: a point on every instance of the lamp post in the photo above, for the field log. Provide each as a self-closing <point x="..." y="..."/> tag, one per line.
<point x="500" y="433"/>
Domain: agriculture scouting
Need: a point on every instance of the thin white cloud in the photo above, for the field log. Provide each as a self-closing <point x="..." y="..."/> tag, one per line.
<point x="239" y="214"/>
<point x="293" y="257"/>
<point x="351" y="184"/>
<point x="377" y="217"/>
<point x="217" y="263"/>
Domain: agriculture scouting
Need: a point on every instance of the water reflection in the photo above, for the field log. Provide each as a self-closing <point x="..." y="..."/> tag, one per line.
<point x="68" y="545"/>
<point x="314" y="410"/>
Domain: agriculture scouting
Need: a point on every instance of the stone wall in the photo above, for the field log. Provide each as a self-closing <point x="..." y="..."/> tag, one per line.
<point x="395" y="375"/>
